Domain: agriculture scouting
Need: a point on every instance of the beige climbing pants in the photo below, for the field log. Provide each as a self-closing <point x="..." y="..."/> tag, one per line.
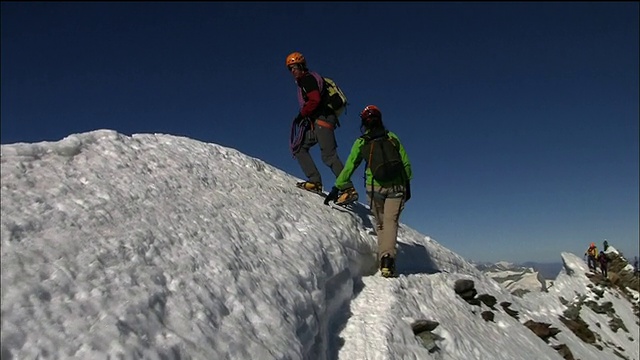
<point x="386" y="205"/>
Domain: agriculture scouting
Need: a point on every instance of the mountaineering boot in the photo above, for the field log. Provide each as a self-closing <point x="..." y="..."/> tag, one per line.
<point x="347" y="197"/>
<point x="387" y="266"/>
<point x="315" y="187"/>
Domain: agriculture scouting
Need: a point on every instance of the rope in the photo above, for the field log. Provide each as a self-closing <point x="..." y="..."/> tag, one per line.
<point x="297" y="135"/>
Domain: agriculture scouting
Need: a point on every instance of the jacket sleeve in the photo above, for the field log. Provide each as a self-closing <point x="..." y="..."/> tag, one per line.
<point x="311" y="104"/>
<point x="405" y="157"/>
<point x="352" y="163"/>
<point x="310" y="88"/>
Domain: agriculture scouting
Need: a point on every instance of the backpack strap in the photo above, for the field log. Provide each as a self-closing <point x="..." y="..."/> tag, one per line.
<point x="369" y="136"/>
<point x="368" y="140"/>
<point x="320" y="81"/>
<point x="321" y="87"/>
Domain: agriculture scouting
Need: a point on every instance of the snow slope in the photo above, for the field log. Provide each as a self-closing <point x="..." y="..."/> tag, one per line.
<point x="155" y="246"/>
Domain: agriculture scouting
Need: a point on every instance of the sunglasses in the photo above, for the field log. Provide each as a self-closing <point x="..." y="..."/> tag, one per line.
<point x="367" y="114"/>
<point x="294" y="67"/>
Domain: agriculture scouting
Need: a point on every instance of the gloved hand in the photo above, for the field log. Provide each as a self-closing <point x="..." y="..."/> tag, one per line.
<point x="298" y="119"/>
<point x="407" y="191"/>
<point x="333" y="195"/>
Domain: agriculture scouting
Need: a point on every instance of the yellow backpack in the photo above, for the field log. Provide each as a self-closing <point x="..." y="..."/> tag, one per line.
<point x="337" y="100"/>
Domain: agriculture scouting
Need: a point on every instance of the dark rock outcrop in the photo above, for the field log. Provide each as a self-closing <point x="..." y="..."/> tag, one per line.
<point x="488" y="300"/>
<point x="564" y="351"/>
<point x="487" y="315"/>
<point x="543" y="330"/>
<point x="505" y="306"/>
<point x="580" y="329"/>
<point x="422" y="330"/>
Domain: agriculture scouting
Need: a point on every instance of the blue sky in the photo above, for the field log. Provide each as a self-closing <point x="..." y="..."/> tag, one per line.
<point x="521" y="119"/>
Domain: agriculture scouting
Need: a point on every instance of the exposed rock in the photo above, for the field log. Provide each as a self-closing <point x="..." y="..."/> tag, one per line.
<point x="505" y="306"/>
<point x="614" y="278"/>
<point x="604" y="308"/>
<point x="580" y="329"/>
<point x="572" y="313"/>
<point x="422" y="330"/>
<point x="487" y="315"/>
<point x="618" y="354"/>
<point x="564" y="351"/>
<point x="463" y="285"/>
<point x="618" y="265"/>
<point x="423" y="325"/>
<point x="465" y="289"/>
<point x="520" y="292"/>
<point x="620" y="276"/>
<point x="616" y="323"/>
<point x="429" y="340"/>
<point x="543" y="330"/>
<point x="599" y="292"/>
<point x="563" y="301"/>
<point x="488" y="300"/>
<point x="472" y="301"/>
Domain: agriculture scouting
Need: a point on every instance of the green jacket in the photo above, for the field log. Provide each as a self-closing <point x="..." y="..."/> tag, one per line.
<point x="355" y="159"/>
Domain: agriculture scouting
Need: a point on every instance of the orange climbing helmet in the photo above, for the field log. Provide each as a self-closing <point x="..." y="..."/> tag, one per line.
<point x="295" y="58"/>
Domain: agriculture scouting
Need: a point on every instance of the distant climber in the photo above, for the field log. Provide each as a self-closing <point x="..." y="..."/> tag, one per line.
<point x="604" y="261"/>
<point x="592" y="255"/>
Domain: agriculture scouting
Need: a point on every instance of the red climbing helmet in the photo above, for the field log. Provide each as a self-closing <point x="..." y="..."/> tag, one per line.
<point x="370" y="112"/>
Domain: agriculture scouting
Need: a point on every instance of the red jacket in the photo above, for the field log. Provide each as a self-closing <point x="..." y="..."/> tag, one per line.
<point x="310" y="93"/>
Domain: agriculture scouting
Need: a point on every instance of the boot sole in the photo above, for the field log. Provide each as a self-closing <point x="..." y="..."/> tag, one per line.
<point x="319" y="192"/>
<point x="387" y="273"/>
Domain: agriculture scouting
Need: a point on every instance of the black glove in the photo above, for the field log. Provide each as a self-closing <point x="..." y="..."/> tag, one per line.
<point x="407" y="191"/>
<point x="333" y="195"/>
<point x="298" y="119"/>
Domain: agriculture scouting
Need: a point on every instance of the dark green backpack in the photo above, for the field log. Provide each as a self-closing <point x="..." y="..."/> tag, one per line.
<point x="382" y="154"/>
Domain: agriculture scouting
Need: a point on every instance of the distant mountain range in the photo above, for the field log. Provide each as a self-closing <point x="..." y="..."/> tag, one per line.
<point x="548" y="270"/>
<point x="517" y="279"/>
<point x="520" y="279"/>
